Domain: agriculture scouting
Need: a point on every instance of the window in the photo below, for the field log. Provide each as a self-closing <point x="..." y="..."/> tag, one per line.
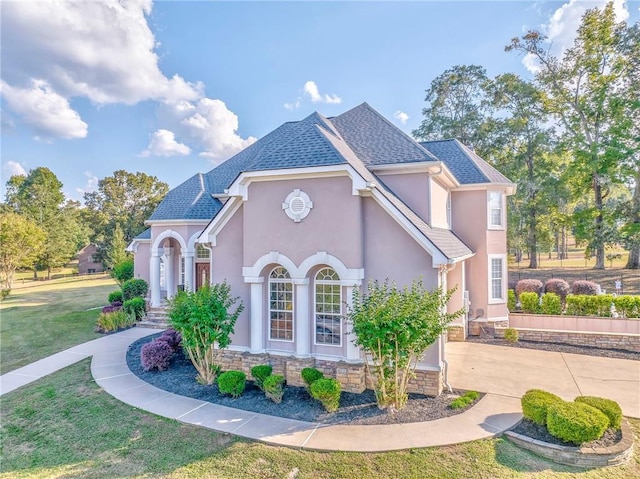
<point x="496" y="213"/>
<point x="202" y="252"/>
<point x="328" y="307"/>
<point x="497" y="275"/>
<point x="280" y="305"/>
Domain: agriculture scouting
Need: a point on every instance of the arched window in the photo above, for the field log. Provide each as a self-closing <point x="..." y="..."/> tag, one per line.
<point x="280" y="305"/>
<point x="328" y="308"/>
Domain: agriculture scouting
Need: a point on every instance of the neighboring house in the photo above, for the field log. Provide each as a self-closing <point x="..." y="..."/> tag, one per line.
<point x="317" y="208"/>
<point x="86" y="263"/>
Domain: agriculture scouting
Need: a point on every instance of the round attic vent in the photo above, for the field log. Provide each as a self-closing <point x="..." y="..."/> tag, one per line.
<point x="297" y="205"/>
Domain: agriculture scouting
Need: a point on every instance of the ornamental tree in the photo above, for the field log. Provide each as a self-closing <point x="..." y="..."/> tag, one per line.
<point x="394" y="327"/>
<point x="205" y="320"/>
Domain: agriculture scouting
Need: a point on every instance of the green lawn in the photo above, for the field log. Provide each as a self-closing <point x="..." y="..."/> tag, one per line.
<point x="50" y="317"/>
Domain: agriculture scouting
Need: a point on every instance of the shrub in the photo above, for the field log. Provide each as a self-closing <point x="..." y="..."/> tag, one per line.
<point x="205" y="320"/>
<point x="511" y="335"/>
<point x="530" y="302"/>
<point x="627" y="306"/>
<point x="311" y="375"/>
<point x="115" y="296"/>
<point x="112" y="308"/>
<point x="528" y="286"/>
<point x="576" y="422"/>
<point x="327" y="391"/>
<point x="557" y="286"/>
<point x="464" y="400"/>
<point x="585" y="287"/>
<point x="587" y="305"/>
<point x="134" y="288"/>
<point x="156" y="355"/>
<point x="232" y="383"/>
<point x="4" y="293"/>
<point x="260" y="373"/>
<point x="135" y="306"/>
<point x="123" y="271"/>
<point x="551" y="304"/>
<point x="535" y="404"/>
<point x="511" y="300"/>
<point x="172" y="338"/>
<point x="274" y="387"/>
<point x="610" y="408"/>
<point x="114" y="320"/>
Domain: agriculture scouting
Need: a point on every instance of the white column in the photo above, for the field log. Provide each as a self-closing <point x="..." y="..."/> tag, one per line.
<point x="168" y="272"/>
<point x="302" y="321"/>
<point x="353" y="351"/>
<point x="154" y="276"/>
<point x="188" y="270"/>
<point x="256" y="329"/>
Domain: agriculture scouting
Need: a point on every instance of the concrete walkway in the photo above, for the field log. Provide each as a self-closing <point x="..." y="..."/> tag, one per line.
<point x="504" y="373"/>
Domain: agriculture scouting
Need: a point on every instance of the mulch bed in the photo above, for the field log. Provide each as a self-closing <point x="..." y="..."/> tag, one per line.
<point x="531" y="429"/>
<point x="297" y="403"/>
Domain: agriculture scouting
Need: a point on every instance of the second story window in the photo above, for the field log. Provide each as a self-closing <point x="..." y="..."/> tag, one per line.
<point x="496" y="210"/>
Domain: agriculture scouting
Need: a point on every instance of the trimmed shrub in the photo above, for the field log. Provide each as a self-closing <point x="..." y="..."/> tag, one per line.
<point x="610" y="408"/>
<point x="114" y="320"/>
<point x="551" y="304"/>
<point x="123" y="271"/>
<point x="585" y="287"/>
<point x="511" y="300"/>
<point x="511" y="335"/>
<point x="311" y="375"/>
<point x="260" y="373"/>
<point x="535" y="404"/>
<point x="134" y="288"/>
<point x="274" y="387"/>
<point x="327" y="391"/>
<point x="4" y="293"/>
<point x="587" y="305"/>
<point x="155" y="355"/>
<point x="627" y="306"/>
<point x="115" y="296"/>
<point x="172" y="338"/>
<point x="576" y="422"/>
<point x="559" y="287"/>
<point x="464" y="400"/>
<point x="135" y="306"/>
<point x="528" y="286"/>
<point x="232" y="383"/>
<point x="530" y="302"/>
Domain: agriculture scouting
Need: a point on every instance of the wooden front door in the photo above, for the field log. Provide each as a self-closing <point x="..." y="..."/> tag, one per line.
<point x="202" y="274"/>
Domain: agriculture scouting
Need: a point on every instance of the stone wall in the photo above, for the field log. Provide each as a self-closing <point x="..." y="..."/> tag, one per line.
<point x="626" y="342"/>
<point x="455" y="333"/>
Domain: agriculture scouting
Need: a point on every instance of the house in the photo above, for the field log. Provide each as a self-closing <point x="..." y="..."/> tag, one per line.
<point x="318" y="207"/>
<point x="86" y="263"/>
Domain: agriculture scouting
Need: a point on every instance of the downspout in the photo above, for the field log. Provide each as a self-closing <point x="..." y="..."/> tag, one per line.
<point x="445" y="363"/>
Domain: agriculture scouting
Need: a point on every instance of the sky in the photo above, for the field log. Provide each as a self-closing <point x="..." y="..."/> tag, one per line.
<point x="172" y="88"/>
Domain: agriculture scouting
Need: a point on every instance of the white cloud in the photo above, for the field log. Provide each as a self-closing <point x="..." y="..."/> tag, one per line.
<point x="163" y="143"/>
<point x="292" y="106"/>
<point x="401" y="116"/>
<point x="563" y="26"/>
<point x="311" y="90"/>
<point x="91" y="185"/>
<point x="13" y="168"/>
<point x="46" y="111"/>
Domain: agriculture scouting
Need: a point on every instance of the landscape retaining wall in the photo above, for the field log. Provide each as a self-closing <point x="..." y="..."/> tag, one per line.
<point x="625" y="342"/>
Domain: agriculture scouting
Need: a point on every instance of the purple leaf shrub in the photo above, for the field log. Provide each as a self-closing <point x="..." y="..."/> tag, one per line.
<point x="156" y="355"/>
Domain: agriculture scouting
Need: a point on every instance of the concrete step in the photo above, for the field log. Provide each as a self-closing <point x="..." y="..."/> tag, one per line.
<point x="152" y="324"/>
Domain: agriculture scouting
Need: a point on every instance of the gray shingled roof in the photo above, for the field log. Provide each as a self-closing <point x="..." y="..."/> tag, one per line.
<point x="145" y="235"/>
<point x="466" y="166"/>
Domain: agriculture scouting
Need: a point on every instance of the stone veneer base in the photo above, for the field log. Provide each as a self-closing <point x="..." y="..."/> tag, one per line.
<point x="579" y="456"/>
<point x="352" y="377"/>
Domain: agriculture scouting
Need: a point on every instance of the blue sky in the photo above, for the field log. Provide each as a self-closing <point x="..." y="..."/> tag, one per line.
<point x="173" y="88"/>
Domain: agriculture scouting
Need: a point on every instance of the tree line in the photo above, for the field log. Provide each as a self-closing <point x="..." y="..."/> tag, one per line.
<point x="570" y="138"/>
<point x="42" y="230"/>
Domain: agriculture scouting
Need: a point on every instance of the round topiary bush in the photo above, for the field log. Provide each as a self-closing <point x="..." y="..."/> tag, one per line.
<point x="576" y="422"/>
<point x="585" y="287"/>
<point x="529" y="286"/>
<point x="260" y="373"/>
<point x="535" y="404"/>
<point x="511" y="335"/>
<point x="327" y="391"/>
<point x="115" y="296"/>
<point x="155" y="355"/>
<point x="232" y="383"/>
<point x="274" y="387"/>
<point x="311" y="375"/>
<point x="557" y="286"/>
<point x="135" y="306"/>
<point x="610" y="408"/>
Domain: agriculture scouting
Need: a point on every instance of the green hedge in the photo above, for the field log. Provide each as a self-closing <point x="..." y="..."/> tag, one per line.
<point x="260" y="373"/>
<point x="511" y="300"/>
<point x="530" y="302"/>
<point x="311" y="375"/>
<point x="610" y="408"/>
<point x="587" y="305"/>
<point x="551" y="304"/>
<point x="274" y="387"/>
<point x="134" y="288"/>
<point x="535" y="404"/>
<point x="327" y="391"/>
<point x="627" y="306"/>
<point x="576" y="422"/>
<point x="135" y="306"/>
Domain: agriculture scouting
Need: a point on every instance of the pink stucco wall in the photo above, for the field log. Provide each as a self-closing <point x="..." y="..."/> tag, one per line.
<point x="412" y="189"/>
<point x="439" y="196"/>
<point x="141" y="261"/>
<point x="575" y="323"/>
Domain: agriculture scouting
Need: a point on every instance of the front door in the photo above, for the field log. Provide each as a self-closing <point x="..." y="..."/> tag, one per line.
<point x="202" y="274"/>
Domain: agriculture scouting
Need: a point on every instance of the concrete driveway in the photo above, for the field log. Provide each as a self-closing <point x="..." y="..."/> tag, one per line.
<point x="512" y="371"/>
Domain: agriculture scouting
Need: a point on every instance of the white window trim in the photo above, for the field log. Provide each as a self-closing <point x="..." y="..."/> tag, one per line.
<point x="293" y="304"/>
<point x="315" y="325"/>
<point x="490" y="298"/>
<point x="503" y="221"/>
<point x="182" y="267"/>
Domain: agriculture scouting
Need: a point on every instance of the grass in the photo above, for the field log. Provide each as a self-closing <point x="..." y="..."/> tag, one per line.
<point x="65" y="426"/>
<point x="48" y="318"/>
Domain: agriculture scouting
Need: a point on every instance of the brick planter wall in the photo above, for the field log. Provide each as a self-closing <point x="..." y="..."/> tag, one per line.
<point x="455" y="333"/>
<point x="579" y="456"/>
<point x="626" y="342"/>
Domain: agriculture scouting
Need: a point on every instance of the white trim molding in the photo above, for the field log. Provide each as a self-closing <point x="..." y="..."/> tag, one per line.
<point x="503" y="211"/>
<point x="168" y="234"/>
<point x="490" y="298"/>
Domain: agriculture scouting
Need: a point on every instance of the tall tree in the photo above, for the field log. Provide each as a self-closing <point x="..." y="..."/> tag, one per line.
<point x="22" y="241"/>
<point x="456" y="106"/>
<point x="115" y="252"/>
<point x="583" y="89"/>
<point x="126" y="199"/>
